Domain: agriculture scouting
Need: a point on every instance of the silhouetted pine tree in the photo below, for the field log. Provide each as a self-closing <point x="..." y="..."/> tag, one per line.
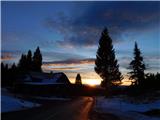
<point x="37" y="60"/>
<point x="13" y="74"/>
<point x="106" y="64"/>
<point x="29" y="60"/>
<point x="2" y="74"/>
<point x="2" y="66"/>
<point x="78" y="80"/>
<point x="13" y="67"/>
<point x="137" y="65"/>
<point x="6" y="67"/>
<point x="22" y="65"/>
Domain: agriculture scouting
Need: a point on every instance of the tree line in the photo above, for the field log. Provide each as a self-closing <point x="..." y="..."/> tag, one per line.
<point x="107" y="67"/>
<point x="27" y="63"/>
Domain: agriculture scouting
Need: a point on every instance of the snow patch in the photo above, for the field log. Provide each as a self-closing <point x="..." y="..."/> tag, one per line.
<point x="10" y="103"/>
<point x="125" y="110"/>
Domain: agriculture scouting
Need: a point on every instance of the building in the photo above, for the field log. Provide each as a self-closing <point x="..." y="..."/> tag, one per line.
<point x="44" y="84"/>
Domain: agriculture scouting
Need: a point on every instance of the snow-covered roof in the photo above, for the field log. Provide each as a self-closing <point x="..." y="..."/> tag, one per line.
<point x="55" y="79"/>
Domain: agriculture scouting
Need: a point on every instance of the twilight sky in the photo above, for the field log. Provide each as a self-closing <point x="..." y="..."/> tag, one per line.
<point x="68" y="33"/>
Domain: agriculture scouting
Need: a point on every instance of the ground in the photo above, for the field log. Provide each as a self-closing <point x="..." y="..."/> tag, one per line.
<point x="77" y="109"/>
<point x="10" y="102"/>
<point x="103" y="116"/>
<point x="125" y="110"/>
<point x="49" y="108"/>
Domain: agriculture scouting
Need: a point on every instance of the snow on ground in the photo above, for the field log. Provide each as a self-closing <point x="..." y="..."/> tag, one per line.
<point x="10" y="103"/>
<point x="125" y="110"/>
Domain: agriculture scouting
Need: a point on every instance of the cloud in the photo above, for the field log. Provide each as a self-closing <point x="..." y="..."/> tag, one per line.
<point x="74" y="35"/>
<point x="68" y="69"/>
<point x="152" y="62"/>
<point x="120" y="17"/>
<point x="73" y="66"/>
<point x="71" y="62"/>
<point x="59" y="55"/>
<point x="5" y="56"/>
<point x="124" y="62"/>
<point x="70" y="65"/>
<point x="152" y="58"/>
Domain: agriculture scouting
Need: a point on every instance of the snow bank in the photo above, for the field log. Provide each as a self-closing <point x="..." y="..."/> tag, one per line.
<point x="125" y="109"/>
<point x="118" y="103"/>
<point x="10" y="103"/>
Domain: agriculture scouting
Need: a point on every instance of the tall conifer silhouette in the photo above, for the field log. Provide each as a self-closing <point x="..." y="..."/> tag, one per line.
<point x="37" y="60"/>
<point x="78" y="79"/>
<point x="29" y="61"/>
<point x="106" y="64"/>
<point x="137" y="65"/>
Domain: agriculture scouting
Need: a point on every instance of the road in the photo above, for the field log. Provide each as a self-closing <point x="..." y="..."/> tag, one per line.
<point x="74" y="110"/>
<point x="77" y="109"/>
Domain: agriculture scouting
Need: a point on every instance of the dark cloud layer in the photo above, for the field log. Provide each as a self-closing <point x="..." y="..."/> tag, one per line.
<point x="6" y="56"/>
<point x="57" y="55"/>
<point x="151" y="62"/>
<point x="9" y="55"/>
<point x="119" y="17"/>
<point x="72" y="61"/>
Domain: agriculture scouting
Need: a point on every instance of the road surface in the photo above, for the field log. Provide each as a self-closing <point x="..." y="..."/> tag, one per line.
<point x="72" y="110"/>
<point x="78" y="109"/>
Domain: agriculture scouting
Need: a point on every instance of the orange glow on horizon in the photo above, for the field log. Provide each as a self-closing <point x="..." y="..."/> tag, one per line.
<point x="126" y="82"/>
<point x="94" y="82"/>
<point x="91" y="82"/>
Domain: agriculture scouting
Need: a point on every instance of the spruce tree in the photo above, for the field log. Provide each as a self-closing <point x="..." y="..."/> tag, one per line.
<point x="13" y="67"/>
<point x="37" y="60"/>
<point x="2" y="74"/>
<point x="6" y="68"/>
<point x="22" y="65"/>
<point x="29" y="60"/>
<point x="78" y="80"/>
<point x="137" y="65"/>
<point x="2" y="67"/>
<point x="5" y="75"/>
<point x="13" y="74"/>
<point x="106" y="64"/>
